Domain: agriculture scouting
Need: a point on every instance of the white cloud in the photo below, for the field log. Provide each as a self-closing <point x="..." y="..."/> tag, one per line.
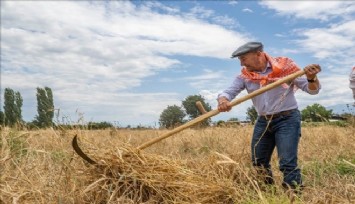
<point x="280" y="35"/>
<point x="201" y="12"/>
<point x="321" y="10"/>
<point x="247" y="10"/>
<point x="92" y="54"/>
<point x="335" y="90"/>
<point x="335" y="43"/>
<point x="232" y="2"/>
<point x="89" y="53"/>
<point x="126" y="108"/>
<point x="206" y="75"/>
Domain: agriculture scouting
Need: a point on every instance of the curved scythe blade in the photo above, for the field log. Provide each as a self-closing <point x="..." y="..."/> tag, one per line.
<point x="80" y="152"/>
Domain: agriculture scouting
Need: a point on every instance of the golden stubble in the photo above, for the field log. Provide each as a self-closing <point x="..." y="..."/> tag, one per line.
<point x="207" y="165"/>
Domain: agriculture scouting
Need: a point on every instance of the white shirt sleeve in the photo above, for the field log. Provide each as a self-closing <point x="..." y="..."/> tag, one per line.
<point x="234" y="89"/>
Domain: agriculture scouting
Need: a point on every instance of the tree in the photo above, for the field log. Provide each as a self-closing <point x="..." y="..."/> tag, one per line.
<point x="2" y="118"/>
<point x="99" y="125"/>
<point x="19" y="103"/>
<point x="252" y="115"/>
<point x="12" y="107"/>
<point x="192" y="111"/>
<point x="316" y="113"/>
<point x="233" y="120"/>
<point x="45" y="107"/>
<point x="171" y="116"/>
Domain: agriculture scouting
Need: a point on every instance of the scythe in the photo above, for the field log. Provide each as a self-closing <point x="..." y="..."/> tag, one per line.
<point x="200" y="118"/>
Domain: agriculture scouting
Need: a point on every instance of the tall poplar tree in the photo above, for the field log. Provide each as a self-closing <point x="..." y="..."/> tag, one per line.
<point x="45" y="107"/>
<point x="2" y="118"/>
<point x="12" y="107"/>
<point x="19" y="103"/>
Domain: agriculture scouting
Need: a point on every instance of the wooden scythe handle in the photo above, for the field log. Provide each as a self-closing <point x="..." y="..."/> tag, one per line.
<point x="215" y="112"/>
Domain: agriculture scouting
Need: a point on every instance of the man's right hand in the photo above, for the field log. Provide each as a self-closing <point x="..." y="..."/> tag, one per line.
<point x="224" y="105"/>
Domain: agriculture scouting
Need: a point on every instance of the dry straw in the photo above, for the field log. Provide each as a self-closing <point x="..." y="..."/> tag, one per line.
<point x="143" y="177"/>
<point x="41" y="167"/>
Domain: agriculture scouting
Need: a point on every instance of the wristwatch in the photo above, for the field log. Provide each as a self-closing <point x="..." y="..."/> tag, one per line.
<point x="312" y="80"/>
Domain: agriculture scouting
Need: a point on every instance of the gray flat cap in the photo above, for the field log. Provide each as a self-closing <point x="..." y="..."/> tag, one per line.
<point x="248" y="47"/>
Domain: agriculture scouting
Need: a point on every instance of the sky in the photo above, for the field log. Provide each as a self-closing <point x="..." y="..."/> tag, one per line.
<point x="124" y="62"/>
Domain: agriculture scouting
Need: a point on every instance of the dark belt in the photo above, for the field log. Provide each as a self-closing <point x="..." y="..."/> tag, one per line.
<point x="277" y="115"/>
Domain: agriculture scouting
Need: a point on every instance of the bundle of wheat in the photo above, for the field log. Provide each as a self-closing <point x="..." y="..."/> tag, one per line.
<point x="139" y="177"/>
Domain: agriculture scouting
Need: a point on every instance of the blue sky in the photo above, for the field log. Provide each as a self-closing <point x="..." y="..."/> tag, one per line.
<point x="126" y="61"/>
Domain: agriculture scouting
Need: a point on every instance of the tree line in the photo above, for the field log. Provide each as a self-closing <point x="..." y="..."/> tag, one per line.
<point x="11" y="116"/>
<point x="172" y="116"/>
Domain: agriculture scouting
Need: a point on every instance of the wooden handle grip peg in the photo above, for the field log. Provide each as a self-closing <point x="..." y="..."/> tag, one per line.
<point x="200" y="107"/>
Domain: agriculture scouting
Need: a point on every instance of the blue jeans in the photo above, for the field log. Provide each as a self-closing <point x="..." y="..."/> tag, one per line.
<point x="283" y="132"/>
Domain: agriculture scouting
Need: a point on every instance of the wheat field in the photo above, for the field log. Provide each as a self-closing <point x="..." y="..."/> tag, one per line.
<point x="210" y="165"/>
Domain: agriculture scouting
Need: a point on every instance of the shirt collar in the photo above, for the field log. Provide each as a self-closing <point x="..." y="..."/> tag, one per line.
<point x="267" y="68"/>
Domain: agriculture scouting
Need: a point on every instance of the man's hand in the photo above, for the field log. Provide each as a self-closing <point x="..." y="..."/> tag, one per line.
<point x="311" y="73"/>
<point x="224" y="105"/>
<point x="312" y="70"/>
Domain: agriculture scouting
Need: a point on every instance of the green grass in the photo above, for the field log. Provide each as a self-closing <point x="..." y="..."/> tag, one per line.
<point x="17" y="144"/>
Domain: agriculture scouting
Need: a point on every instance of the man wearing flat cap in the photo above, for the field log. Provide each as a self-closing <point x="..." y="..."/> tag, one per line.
<point x="249" y="47"/>
<point x="279" y="120"/>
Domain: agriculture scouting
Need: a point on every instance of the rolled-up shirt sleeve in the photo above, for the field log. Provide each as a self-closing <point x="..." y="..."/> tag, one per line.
<point x="302" y="83"/>
<point x="234" y="89"/>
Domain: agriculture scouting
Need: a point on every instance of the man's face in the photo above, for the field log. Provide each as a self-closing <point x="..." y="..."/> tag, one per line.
<point x="249" y="60"/>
